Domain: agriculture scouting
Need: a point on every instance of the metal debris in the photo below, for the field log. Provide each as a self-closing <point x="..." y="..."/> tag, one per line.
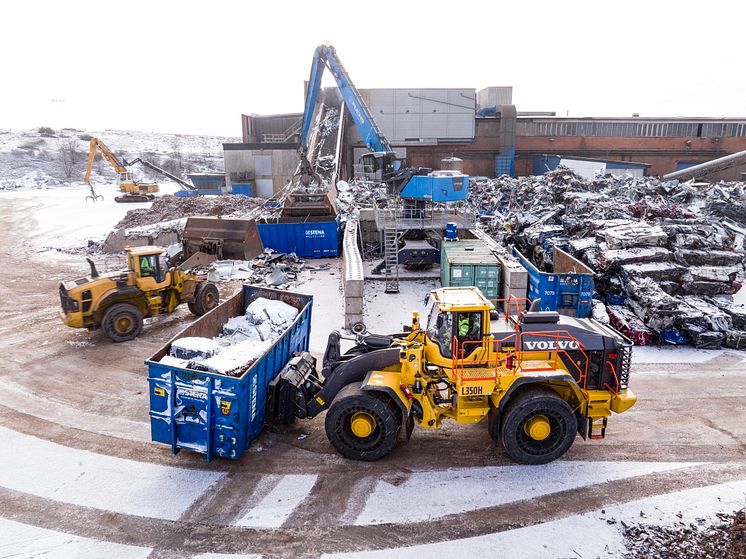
<point x="659" y="249"/>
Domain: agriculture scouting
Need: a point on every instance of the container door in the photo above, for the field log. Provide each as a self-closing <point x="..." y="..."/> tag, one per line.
<point x="190" y="413"/>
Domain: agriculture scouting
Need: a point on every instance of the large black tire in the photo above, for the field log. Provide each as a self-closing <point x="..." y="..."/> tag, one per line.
<point x="206" y="298"/>
<point x="542" y="406"/>
<point x="370" y="413"/>
<point x="493" y="424"/>
<point x="122" y="322"/>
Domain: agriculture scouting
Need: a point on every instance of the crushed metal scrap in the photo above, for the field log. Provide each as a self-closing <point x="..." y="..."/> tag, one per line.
<point x="667" y="255"/>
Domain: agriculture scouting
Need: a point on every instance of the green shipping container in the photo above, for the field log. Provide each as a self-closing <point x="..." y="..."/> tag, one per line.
<point x="470" y="262"/>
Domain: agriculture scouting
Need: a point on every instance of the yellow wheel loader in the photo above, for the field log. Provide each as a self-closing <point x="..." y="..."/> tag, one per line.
<point x="538" y="379"/>
<point x="117" y="302"/>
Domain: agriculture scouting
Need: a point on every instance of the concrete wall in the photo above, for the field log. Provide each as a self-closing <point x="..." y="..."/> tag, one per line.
<point x="271" y="168"/>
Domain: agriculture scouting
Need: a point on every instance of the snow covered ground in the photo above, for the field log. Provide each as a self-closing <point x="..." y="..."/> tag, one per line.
<point x="64" y="219"/>
<point x="30" y="159"/>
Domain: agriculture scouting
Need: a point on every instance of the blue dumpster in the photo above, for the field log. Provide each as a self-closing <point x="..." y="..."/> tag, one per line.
<point x="219" y="415"/>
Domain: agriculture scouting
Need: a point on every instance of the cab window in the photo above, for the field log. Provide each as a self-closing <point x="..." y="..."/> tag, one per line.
<point x="469" y="328"/>
<point x="440" y="330"/>
<point x="149" y="266"/>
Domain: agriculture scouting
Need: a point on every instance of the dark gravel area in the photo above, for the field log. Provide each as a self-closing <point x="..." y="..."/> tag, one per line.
<point x="166" y="208"/>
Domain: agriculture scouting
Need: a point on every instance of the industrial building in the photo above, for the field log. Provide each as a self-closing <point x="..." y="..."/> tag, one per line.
<point x="492" y="137"/>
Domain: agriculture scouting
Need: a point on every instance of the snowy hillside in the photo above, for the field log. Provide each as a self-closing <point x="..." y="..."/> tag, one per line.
<point x="46" y="158"/>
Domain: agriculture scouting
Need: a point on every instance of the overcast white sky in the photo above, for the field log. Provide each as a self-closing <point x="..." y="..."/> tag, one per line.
<point x="194" y="67"/>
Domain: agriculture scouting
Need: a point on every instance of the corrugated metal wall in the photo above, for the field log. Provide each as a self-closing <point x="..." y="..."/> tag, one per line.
<point x="631" y="128"/>
<point x="422" y="114"/>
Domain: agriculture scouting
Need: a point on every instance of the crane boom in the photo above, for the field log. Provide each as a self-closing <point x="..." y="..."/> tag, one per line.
<point x="326" y="57"/>
<point x="106" y="153"/>
<point x="420" y="184"/>
<point x="157" y="169"/>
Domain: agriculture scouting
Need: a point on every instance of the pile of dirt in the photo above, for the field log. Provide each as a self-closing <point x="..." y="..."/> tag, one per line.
<point x="167" y="208"/>
<point x="723" y="540"/>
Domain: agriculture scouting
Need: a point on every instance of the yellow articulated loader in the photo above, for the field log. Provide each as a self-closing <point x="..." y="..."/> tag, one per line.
<point x="117" y="302"/>
<point x="538" y="378"/>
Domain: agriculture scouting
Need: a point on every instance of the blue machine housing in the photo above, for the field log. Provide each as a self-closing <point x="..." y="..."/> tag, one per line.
<point x="219" y="415"/>
<point x="437" y="188"/>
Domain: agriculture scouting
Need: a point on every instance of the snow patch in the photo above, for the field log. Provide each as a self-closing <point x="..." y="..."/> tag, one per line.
<point x="274" y="509"/>
<point x="453" y="491"/>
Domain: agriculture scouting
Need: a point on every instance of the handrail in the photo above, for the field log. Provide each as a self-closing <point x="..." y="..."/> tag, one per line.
<point x="560" y="335"/>
<point x="459" y="352"/>
<point x="512" y="299"/>
<point x="616" y="378"/>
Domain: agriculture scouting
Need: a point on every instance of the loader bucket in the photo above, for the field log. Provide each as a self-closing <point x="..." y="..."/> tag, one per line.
<point x="226" y="238"/>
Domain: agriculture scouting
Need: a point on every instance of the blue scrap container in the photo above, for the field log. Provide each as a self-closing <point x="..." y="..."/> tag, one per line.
<point x="570" y="294"/>
<point x="451" y="231"/>
<point x="243" y="189"/>
<point x="219" y="415"/>
<point x="303" y="236"/>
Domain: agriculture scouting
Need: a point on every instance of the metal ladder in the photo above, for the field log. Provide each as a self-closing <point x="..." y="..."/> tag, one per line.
<point x="391" y="258"/>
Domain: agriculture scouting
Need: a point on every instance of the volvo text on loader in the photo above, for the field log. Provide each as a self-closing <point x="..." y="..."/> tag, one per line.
<point x="117" y="302"/>
<point x="538" y="378"/>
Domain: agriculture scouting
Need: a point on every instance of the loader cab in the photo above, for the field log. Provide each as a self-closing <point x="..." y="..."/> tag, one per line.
<point x="457" y="313"/>
<point x="149" y="267"/>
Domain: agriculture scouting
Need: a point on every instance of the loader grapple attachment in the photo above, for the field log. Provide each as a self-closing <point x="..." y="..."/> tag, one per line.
<point x="296" y="384"/>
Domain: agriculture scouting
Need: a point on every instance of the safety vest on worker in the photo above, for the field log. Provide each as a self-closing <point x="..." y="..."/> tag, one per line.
<point x="463" y="326"/>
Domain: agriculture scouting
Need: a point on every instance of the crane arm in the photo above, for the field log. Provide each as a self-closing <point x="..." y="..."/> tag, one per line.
<point x="157" y="169"/>
<point x="108" y="155"/>
<point x="326" y="57"/>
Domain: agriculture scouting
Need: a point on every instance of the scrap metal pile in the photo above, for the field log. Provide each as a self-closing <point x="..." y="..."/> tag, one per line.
<point x="244" y="339"/>
<point x="667" y="256"/>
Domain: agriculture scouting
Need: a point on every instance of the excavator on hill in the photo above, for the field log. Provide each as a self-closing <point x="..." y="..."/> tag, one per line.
<point x="132" y="191"/>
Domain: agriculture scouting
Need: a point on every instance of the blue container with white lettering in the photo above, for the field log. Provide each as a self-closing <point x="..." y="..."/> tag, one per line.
<point x="308" y="237"/>
<point x="214" y="414"/>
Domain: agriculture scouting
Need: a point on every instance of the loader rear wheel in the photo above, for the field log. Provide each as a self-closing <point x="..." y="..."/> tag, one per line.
<point x="538" y="426"/>
<point x="361" y="425"/>
<point x="206" y="298"/>
<point x="122" y="322"/>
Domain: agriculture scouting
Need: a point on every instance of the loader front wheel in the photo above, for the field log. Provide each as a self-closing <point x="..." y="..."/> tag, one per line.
<point x="122" y="322"/>
<point x="206" y="298"/>
<point x="361" y="425"/>
<point x="538" y="426"/>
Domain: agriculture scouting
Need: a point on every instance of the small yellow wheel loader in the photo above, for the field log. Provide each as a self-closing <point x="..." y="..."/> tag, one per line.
<point x="538" y="378"/>
<point x="117" y="302"/>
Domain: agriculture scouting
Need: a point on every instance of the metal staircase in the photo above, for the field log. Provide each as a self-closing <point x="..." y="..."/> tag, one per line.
<point x="391" y="258"/>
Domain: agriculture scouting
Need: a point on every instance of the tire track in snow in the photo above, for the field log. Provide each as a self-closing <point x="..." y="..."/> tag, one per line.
<point x="83" y="478"/>
<point x="452" y="491"/>
<point x="583" y="535"/>
<point x="275" y="508"/>
<point x="19" y="540"/>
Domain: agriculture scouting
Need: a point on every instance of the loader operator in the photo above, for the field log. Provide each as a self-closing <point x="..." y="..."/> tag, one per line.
<point x="146" y="266"/>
